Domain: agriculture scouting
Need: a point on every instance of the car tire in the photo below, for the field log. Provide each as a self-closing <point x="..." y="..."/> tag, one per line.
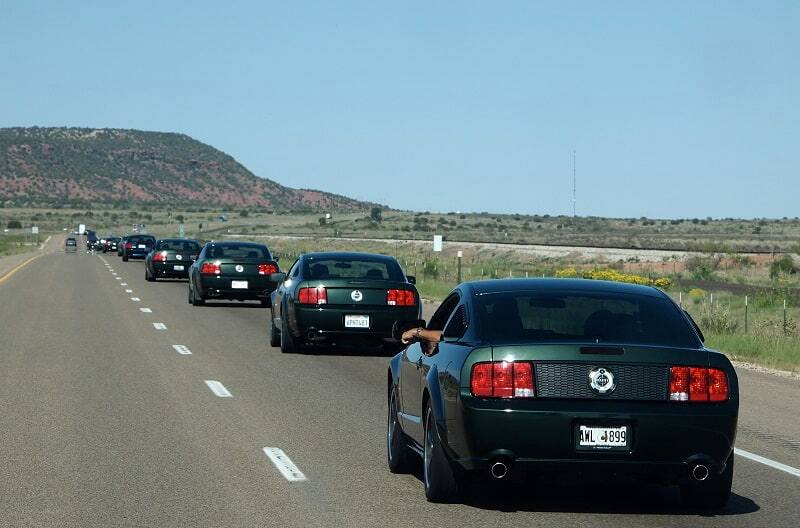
<point x="711" y="494"/>
<point x="147" y="276"/>
<point x="274" y="333"/>
<point x="397" y="453"/>
<point x="288" y="343"/>
<point x="438" y="476"/>
<point x="196" y="299"/>
<point x="124" y="258"/>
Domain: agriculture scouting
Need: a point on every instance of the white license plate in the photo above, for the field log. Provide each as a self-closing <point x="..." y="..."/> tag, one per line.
<point x="602" y="437"/>
<point x="239" y="285"/>
<point x="356" y="321"/>
<point x="141" y="246"/>
<point x="177" y="268"/>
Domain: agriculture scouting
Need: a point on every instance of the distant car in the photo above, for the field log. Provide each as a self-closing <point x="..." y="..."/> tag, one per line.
<point x="92" y="242"/>
<point x="233" y="271"/>
<point x="171" y="258"/>
<point x="137" y="246"/>
<point x="342" y="298"/>
<point x="71" y="245"/>
<point x="549" y="376"/>
<point x="111" y="244"/>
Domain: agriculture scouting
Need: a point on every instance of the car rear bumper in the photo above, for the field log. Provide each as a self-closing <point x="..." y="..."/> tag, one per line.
<point x="168" y="269"/>
<point x="132" y="253"/>
<point x="666" y="438"/>
<point x="221" y="287"/>
<point x="327" y="323"/>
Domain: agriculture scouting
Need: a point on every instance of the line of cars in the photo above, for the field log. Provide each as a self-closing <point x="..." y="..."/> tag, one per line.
<point x="509" y="378"/>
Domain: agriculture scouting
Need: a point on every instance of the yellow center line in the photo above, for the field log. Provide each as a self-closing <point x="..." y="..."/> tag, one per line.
<point x="8" y="275"/>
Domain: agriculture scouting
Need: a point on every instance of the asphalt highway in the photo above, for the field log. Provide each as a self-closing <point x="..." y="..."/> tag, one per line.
<point x="109" y="419"/>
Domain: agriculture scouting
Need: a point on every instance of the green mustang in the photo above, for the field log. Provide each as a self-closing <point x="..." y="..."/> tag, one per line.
<point x="232" y="270"/>
<point x="341" y="298"/>
<point x="551" y="375"/>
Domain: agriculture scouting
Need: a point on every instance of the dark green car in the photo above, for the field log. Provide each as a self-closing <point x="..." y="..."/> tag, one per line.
<point x="170" y="258"/>
<point x="232" y="271"/>
<point x="341" y="298"/>
<point x="555" y="375"/>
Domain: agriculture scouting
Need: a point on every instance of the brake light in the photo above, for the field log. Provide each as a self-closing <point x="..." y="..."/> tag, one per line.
<point x="128" y="245"/>
<point x="698" y="384"/>
<point x="502" y="379"/>
<point x="161" y="256"/>
<point x="400" y="298"/>
<point x="210" y="268"/>
<point x="315" y="295"/>
<point x="267" y="269"/>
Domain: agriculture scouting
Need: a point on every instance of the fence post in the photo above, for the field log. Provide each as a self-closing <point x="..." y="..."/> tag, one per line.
<point x="680" y="299"/>
<point x="784" y="317"/>
<point x="745" y="314"/>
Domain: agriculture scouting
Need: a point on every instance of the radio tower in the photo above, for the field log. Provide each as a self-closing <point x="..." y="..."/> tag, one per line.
<point x="574" y="199"/>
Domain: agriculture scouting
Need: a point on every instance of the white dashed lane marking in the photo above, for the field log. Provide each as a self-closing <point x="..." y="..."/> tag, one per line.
<point x="145" y="310"/>
<point x="135" y="299"/>
<point x="218" y="389"/>
<point x="159" y="326"/>
<point x="128" y="291"/>
<point x="284" y="464"/>
<point x="123" y="283"/>
<point x="182" y="349"/>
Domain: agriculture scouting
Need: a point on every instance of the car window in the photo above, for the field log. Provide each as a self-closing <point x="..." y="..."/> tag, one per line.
<point x="443" y="313"/>
<point x="352" y="268"/>
<point x="294" y="271"/>
<point x="234" y="251"/>
<point x="457" y="325"/>
<point x="595" y="317"/>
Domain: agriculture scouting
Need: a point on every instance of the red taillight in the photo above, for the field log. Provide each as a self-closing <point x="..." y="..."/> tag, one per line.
<point x="267" y="269"/>
<point x="502" y="379"/>
<point x="316" y="295"/>
<point x="161" y="256"/>
<point x="400" y="298"/>
<point x="128" y="245"/>
<point x="210" y="268"/>
<point x="698" y="384"/>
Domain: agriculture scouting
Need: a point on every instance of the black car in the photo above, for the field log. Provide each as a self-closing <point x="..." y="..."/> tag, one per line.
<point x="71" y="245"/>
<point x="92" y="242"/>
<point x="551" y="376"/>
<point x="234" y="271"/>
<point x="342" y="298"/>
<point x="137" y="246"/>
<point x="111" y="244"/>
<point x="171" y="258"/>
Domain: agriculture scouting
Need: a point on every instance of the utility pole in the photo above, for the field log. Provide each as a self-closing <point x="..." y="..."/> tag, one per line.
<point x="574" y="196"/>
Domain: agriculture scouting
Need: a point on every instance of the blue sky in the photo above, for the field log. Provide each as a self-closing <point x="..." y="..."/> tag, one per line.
<point x="675" y="109"/>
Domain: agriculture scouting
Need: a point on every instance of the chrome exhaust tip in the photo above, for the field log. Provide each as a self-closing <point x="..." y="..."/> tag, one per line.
<point x="499" y="470"/>
<point x="700" y="472"/>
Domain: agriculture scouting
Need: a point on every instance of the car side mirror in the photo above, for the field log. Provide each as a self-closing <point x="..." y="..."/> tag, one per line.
<point x="400" y="327"/>
<point x="277" y="277"/>
<point x="412" y="279"/>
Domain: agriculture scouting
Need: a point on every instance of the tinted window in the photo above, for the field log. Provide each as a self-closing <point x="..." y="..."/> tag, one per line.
<point x="142" y="239"/>
<point x="70" y="241"/>
<point x="595" y="317"/>
<point x="236" y="251"/>
<point x="182" y="246"/>
<point x="352" y="268"/>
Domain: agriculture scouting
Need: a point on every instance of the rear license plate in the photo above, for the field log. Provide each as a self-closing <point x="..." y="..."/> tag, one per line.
<point x="177" y="268"/>
<point x="141" y="246"/>
<point x="239" y="285"/>
<point x="356" y="321"/>
<point x="602" y="438"/>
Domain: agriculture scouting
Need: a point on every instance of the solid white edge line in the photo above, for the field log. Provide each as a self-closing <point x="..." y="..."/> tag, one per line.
<point x="218" y="389"/>
<point x="284" y="464"/>
<point x="182" y="349"/>
<point x="159" y="326"/>
<point x="767" y="462"/>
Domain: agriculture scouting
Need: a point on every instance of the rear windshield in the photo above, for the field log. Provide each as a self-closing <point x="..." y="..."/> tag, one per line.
<point x="183" y="246"/>
<point x="352" y="268"/>
<point x="70" y="241"/>
<point x="141" y="239"/>
<point x="585" y="317"/>
<point x="233" y="251"/>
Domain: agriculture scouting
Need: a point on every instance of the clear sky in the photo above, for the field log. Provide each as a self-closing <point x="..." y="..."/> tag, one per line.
<point x="675" y="108"/>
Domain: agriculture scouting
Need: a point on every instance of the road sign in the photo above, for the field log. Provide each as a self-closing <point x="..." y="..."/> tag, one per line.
<point x="35" y="230"/>
<point x="437" y="242"/>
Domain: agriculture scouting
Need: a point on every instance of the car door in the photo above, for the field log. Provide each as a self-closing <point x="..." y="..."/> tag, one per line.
<point x="411" y="371"/>
<point x="282" y="291"/>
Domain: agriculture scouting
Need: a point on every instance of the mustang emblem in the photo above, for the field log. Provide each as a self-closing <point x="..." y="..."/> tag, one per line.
<point x="357" y="296"/>
<point x="179" y="257"/>
<point x="239" y="268"/>
<point x="601" y="381"/>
